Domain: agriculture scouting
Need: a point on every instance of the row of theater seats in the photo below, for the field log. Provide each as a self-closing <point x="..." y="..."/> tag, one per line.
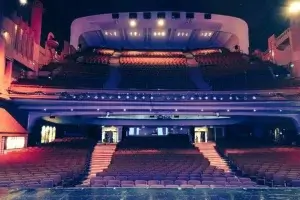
<point x="271" y="166"/>
<point x="47" y="166"/>
<point x="150" y="164"/>
<point x="207" y="51"/>
<point x="220" y="59"/>
<point x="152" y="54"/>
<point x="152" y="61"/>
<point x="156" y="78"/>
<point x="97" y="59"/>
<point x="169" y="168"/>
<point x="72" y="75"/>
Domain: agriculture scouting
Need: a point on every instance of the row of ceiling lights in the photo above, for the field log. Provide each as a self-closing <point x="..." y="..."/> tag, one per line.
<point x="114" y="33"/>
<point x="176" y="110"/>
<point x="206" y="34"/>
<point x="183" y="97"/>
<point x="162" y="34"/>
<point x="182" y="34"/>
<point x="133" y="23"/>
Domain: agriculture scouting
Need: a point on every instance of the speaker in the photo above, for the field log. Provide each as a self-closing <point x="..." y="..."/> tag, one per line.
<point x="152" y="116"/>
<point x="147" y="15"/>
<point x="52" y="117"/>
<point x="176" y="116"/>
<point x="175" y="15"/>
<point x="207" y="16"/>
<point x="190" y="15"/>
<point x="161" y="15"/>
<point x="132" y="15"/>
<point x="115" y="15"/>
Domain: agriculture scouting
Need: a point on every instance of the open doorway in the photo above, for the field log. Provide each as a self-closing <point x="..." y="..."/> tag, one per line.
<point x="201" y="134"/>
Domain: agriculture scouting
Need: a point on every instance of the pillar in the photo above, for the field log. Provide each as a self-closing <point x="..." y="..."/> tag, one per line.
<point x="2" y="62"/>
<point x="206" y="134"/>
<point x="215" y="133"/>
<point x="223" y="132"/>
<point x="36" y="20"/>
<point x="295" y="43"/>
<point x="8" y="74"/>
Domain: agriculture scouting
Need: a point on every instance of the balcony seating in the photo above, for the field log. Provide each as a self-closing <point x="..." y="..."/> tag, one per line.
<point x="156" y="78"/>
<point x="46" y="166"/>
<point x="73" y="75"/>
<point x="152" y="54"/>
<point x="153" y="61"/>
<point x="271" y="166"/>
<point x="97" y="59"/>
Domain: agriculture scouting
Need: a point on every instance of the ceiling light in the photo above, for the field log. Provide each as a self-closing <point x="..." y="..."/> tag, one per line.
<point x="163" y="33"/>
<point x="160" y="22"/>
<point x="132" y="23"/>
<point x="23" y="2"/>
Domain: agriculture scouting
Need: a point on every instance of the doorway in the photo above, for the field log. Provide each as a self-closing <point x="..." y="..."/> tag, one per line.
<point x="110" y="134"/>
<point x="201" y="134"/>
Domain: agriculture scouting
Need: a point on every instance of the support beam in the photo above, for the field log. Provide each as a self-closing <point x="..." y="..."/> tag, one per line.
<point x="8" y="74"/>
<point x="2" y="62"/>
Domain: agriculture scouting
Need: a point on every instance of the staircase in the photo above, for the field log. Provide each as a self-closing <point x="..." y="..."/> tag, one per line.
<point x="208" y="150"/>
<point x="100" y="160"/>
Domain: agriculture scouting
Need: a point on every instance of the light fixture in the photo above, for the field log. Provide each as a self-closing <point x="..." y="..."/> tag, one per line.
<point x="160" y="22"/>
<point x="294" y="7"/>
<point x="23" y="2"/>
<point x="132" y="23"/>
<point x="5" y="34"/>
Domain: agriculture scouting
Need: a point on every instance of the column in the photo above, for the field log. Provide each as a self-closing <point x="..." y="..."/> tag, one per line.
<point x="8" y="74"/>
<point x="206" y="134"/>
<point x="36" y="20"/>
<point x="2" y="62"/>
<point x="295" y="42"/>
<point x="223" y="132"/>
<point x="2" y="144"/>
<point x="215" y="133"/>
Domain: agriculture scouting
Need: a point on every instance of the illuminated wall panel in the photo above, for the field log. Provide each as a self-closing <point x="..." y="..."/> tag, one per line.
<point x="48" y="134"/>
<point x="14" y="143"/>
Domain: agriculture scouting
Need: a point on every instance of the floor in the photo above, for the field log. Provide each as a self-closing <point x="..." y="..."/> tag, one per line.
<point x="150" y="194"/>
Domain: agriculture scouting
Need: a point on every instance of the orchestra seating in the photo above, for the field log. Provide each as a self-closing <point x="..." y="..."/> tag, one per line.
<point x="156" y="166"/>
<point x="156" y="78"/>
<point x="271" y="166"/>
<point x="56" y="164"/>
